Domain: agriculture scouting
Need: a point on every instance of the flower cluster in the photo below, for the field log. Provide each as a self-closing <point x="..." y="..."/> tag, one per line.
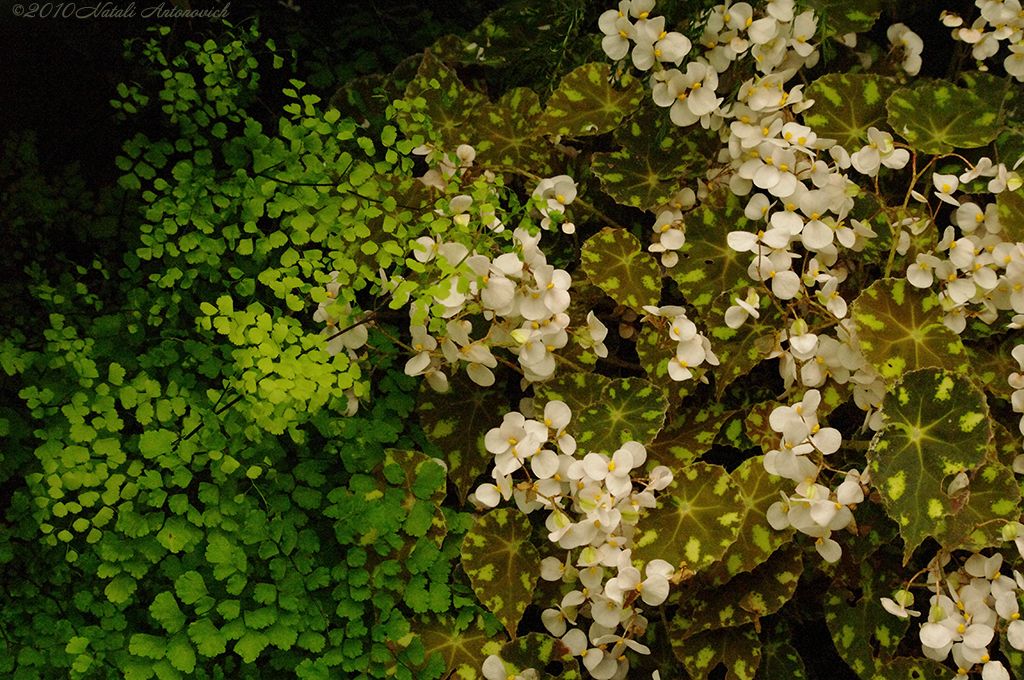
<point x="594" y="509"/>
<point x="815" y="509"/>
<point x="556" y="193"/>
<point x="692" y="348"/>
<point x="964" y="617"/>
<point x="999" y="20"/>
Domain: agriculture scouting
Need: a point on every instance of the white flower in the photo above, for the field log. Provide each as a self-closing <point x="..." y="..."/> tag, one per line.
<point x="902" y="37"/>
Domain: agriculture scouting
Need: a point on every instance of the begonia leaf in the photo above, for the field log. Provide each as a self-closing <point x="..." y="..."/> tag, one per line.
<point x="740" y="349"/>
<point x="439" y="94"/>
<point x="463" y="651"/>
<point x="502" y="133"/>
<point x="586" y="103"/>
<point x="900" y="329"/>
<point x="756" y="541"/>
<point x="607" y="412"/>
<point x="1011" y="213"/>
<point x="847" y="104"/>
<point x="691" y="433"/>
<point x="456" y="422"/>
<point x="937" y="117"/>
<point x="937" y="425"/>
<point x="909" y="668"/>
<point x="745" y="598"/>
<point x="615" y="261"/>
<point x="737" y="649"/>
<point x="779" y="659"/>
<point x="846" y="16"/>
<point x="698" y="517"/>
<point x="537" y="651"/>
<point x="991" y="499"/>
<point x="707" y="265"/>
<point x="501" y="562"/>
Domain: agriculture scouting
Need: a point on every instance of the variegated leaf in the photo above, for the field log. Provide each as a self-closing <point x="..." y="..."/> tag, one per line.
<point x="937" y="425"/>
<point x="697" y="519"/>
<point x="690" y="435"/>
<point x="501" y="132"/>
<point x="537" y="651"/>
<point x="839" y="17"/>
<point x="738" y="649"/>
<point x="900" y="329"/>
<point x="991" y="499"/>
<point x="607" y="412"/>
<point x="615" y="261"/>
<point x="463" y="651"/>
<point x="847" y="104"/>
<point x="586" y="103"/>
<point x="501" y="562"/>
<point x="1011" y="213"/>
<point x="939" y="117"/>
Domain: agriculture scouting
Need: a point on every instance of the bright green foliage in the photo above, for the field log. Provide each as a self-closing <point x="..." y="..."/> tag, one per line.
<point x="501" y="564"/>
<point x="587" y="103"/>
<point x="938" y="117"/>
<point x="847" y="104"/>
<point x="708" y="267"/>
<point x="644" y="174"/>
<point x="737" y="648"/>
<point x="456" y="422"/>
<point x="608" y="412"/>
<point x="536" y="651"/>
<point x="900" y="329"/>
<point x="698" y="519"/>
<point x="615" y="262"/>
<point x="938" y="426"/>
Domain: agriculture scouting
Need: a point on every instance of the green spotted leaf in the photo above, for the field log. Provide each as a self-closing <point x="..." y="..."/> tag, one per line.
<point x="691" y="434"/>
<point x="991" y="499"/>
<point x="756" y="541"/>
<point x="900" y="329"/>
<point x="937" y="425"/>
<point x="909" y="668"/>
<point x="586" y="103"/>
<point x="616" y="262"/>
<point x="839" y="17"/>
<point x="779" y="659"/>
<point x="1011" y="213"/>
<point x="740" y="349"/>
<point x="746" y="598"/>
<point x="500" y="133"/>
<point x="647" y="172"/>
<point x="860" y="626"/>
<point x="737" y="649"/>
<point x="847" y="104"/>
<point x="707" y="265"/>
<point x="607" y="412"/>
<point x="501" y="563"/>
<point x="939" y="117"/>
<point x="463" y="649"/>
<point x="697" y="518"/>
<point x="536" y="651"/>
<point x="656" y="349"/>
<point x="456" y="423"/>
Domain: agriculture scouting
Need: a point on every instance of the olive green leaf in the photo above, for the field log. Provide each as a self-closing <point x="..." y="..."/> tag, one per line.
<point x="839" y="17"/>
<point x="697" y="518"/>
<point x="1011" y="213"/>
<point x="938" y="117"/>
<point x="536" y="651"/>
<point x="615" y="261"/>
<point x="756" y="541"/>
<point x="707" y="265"/>
<point x="586" y="103"/>
<point x="607" y="412"/>
<point x="740" y="349"/>
<point x="779" y="659"/>
<point x="993" y="494"/>
<point x="738" y="649"/>
<point x="847" y="104"/>
<point x="990" y="368"/>
<point x="456" y="423"/>
<point x="859" y="626"/>
<point x="909" y="668"/>
<point x="937" y="425"/>
<point x="647" y="171"/>
<point x="501" y="563"/>
<point x="900" y="329"/>
<point x="437" y="92"/>
<point x="655" y="350"/>
<point x="746" y="598"/>
<point x="500" y="133"/>
<point x="463" y="651"/>
<point x="691" y="434"/>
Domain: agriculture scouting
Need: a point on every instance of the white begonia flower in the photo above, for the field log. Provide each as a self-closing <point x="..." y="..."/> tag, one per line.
<point x="920" y="272"/>
<point x="550" y="296"/>
<point x="489" y="495"/>
<point x="945" y="185"/>
<point x="879" y="151"/>
<point x="618" y="30"/>
<point x="614" y="471"/>
<point x="781" y="10"/>
<point x="804" y="26"/>
<point x="654" y="43"/>
<point x="555" y="619"/>
<point x="423" y="343"/>
<point x="738" y="313"/>
<point x="1014" y="62"/>
<point x="598" y="332"/>
<point x="910" y="43"/>
<point x="898" y="606"/>
<point x="557" y="416"/>
<point x="691" y="94"/>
